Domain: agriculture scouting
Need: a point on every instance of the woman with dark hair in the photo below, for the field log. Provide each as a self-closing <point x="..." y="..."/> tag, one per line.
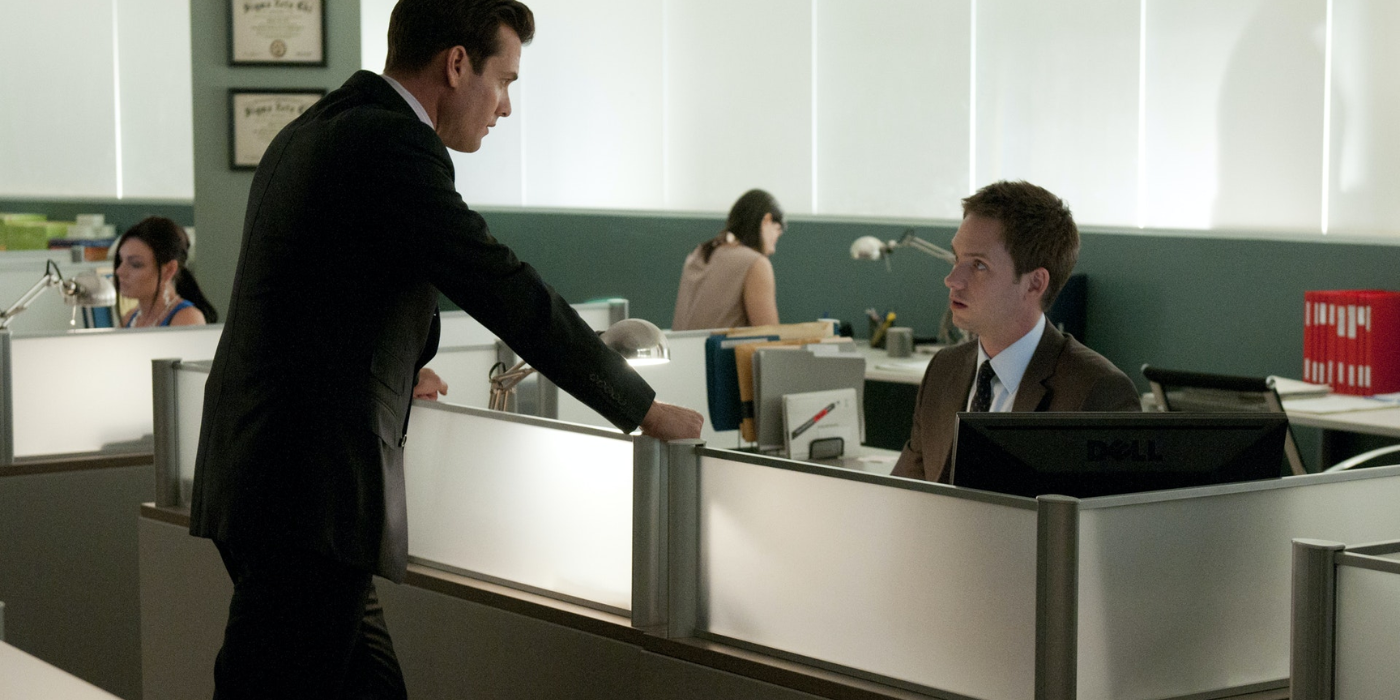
<point x="150" y="268"/>
<point x="728" y="280"/>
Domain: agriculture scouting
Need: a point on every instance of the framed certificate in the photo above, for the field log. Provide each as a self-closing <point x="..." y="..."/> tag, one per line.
<point x="256" y="116"/>
<point x="277" y="33"/>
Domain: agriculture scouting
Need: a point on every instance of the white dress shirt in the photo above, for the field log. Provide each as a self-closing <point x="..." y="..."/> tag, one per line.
<point x="1010" y="366"/>
<point x="414" y="103"/>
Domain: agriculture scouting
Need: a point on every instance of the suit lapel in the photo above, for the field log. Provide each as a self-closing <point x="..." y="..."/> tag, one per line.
<point x="1035" y="382"/>
<point x="952" y="399"/>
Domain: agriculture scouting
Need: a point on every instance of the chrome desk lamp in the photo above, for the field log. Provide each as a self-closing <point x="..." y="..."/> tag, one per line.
<point x="638" y="341"/>
<point x="87" y="290"/>
<point x="872" y="248"/>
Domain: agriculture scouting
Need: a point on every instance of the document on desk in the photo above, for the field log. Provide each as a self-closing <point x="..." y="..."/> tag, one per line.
<point x="1335" y="403"/>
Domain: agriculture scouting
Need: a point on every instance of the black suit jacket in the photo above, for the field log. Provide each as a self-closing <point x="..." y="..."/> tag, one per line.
<point x="1063" y="375"/>
<point x="353" y="227"/>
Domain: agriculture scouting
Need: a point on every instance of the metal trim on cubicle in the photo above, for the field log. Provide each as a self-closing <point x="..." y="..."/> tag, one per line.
<point x="1057" y="598"/>
<point x="1313" y="648"/>
<point x="7" y="403"/>
<point x="165" y="423"/>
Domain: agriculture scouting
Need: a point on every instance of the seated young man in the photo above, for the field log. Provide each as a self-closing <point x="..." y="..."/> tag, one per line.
<point x="1015" y="248"/>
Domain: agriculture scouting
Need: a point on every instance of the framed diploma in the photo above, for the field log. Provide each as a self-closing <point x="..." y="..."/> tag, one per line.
<point x="256" y="116"/>
<point x="277" y="33"/>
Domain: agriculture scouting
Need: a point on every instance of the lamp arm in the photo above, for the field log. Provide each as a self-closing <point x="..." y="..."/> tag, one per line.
<point x="924" y="246"/>
<point x="503" y="384"/>
<point x="50" y="279"/>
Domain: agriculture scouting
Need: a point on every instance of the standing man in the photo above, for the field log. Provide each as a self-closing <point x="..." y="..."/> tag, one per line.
<point x="353" y="227"/>
<point x="1015" y="248"/>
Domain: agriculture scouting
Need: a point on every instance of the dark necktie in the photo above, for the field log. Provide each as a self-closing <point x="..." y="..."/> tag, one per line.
<point x="982" y="399"/>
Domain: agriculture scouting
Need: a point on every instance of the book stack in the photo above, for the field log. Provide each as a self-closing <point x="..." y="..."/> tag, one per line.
<point x="1351" y="340"/>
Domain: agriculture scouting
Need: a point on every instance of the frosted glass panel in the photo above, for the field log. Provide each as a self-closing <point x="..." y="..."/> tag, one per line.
<point x="189" y="397"/>
<point x="680" y="381"/>
<point x="1365" y="118"/>
<point x="1368" y="615"/>
<point x="1186" y="596"/>
<point x="892" y="81"/>
<point x="459" y="328"/>
<point x="82" y="391"/>
<point x="1234" y="114"/>
<point x="593" y="130"/>
<point x="57" y="132"/>
<point x="19" y="270"/>
<point x="467" y="371"/>
<point x="156" y="121"/>
<point x="532" y="504"/>
<point x="926" y="588"/>
<point x="1056" y="101"/>
<point x="739" y="102"/>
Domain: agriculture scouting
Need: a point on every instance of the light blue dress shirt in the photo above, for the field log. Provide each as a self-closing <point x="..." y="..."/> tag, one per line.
<point x="1010" y="366"/>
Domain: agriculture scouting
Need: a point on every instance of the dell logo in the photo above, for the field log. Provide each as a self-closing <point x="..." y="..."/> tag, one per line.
<point x="1124" y="450"/>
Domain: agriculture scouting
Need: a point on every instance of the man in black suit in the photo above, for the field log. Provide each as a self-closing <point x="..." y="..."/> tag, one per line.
<point x="353" y="227"/>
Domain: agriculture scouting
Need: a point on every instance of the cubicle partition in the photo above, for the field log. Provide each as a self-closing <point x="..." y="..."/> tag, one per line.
<point x="956" y="593"/>
<point x="1346" y="613"/>
<point x="528" y="502"/>
<point x="85" y="391"/>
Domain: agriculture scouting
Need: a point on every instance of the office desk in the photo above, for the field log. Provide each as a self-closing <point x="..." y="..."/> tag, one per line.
<point x="1350" y="433"/>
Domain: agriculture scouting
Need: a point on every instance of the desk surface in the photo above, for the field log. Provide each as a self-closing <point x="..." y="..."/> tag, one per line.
<point x="880" y="367"/>
<point x="1381" y="421"/>
<point x="23" y="676"/>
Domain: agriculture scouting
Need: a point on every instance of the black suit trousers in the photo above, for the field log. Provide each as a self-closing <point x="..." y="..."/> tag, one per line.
<point x="301" y="625"/>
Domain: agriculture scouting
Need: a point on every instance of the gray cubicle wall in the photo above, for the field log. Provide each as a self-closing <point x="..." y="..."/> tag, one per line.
<point x="85" y="391"/>
<point x="1346" y="614"/>
<point x="1168" y="594"/>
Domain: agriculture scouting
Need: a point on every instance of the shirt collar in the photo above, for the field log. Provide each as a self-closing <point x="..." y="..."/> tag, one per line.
<point x="410" y="99"/>
<point x="1010" y="364"/>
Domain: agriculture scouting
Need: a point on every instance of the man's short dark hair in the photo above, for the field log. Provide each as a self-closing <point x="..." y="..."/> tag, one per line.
<point x="1038" y="228"/>
<point x="421" y="29"/>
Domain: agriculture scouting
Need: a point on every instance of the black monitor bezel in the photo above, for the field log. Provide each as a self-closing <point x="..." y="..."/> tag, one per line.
<point x="1028" y="483"/>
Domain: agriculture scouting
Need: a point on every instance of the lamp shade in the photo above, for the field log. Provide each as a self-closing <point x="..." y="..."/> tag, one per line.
<point x="638" y="341"/>
<point x="867" y="248"/>
<point x="88" y="290"/>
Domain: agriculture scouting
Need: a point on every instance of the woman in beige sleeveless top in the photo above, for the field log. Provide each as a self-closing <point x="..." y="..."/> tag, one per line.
<point x="728" y="280"/>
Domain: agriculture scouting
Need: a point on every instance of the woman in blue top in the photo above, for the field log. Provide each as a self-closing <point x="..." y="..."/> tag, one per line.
<point x="150" y="268"/>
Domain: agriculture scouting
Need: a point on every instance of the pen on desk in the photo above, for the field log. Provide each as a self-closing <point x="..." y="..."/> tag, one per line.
<point x="813" y="420"/>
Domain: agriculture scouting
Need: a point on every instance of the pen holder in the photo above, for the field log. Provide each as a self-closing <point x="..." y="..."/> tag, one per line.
<point x="899" y="341"/>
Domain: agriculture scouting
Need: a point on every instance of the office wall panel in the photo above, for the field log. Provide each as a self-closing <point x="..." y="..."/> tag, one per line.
<point x="157" y="129"/>
<point x="892" y="80"/>
<point x="593" y="76"/>
<point x="1234" y="96"/>
<point x="374" y="33"/>
<point x="738" y="104"/>
<point x="1365" y="129"/>
<point x="57" y="136"/>
<point x="1056" y="101"/>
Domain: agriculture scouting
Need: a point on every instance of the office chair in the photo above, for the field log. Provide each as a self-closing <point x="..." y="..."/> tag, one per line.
<point x="1201" y="392"/>
<point x="1379" y="457"/>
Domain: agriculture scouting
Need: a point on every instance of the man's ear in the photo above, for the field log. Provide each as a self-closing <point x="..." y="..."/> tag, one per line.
<point x="456" y="65"/>
<point x="1039" y="281"/>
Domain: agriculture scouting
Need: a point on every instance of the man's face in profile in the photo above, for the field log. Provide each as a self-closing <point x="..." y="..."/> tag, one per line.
<point x="478" y="100"/>
<point x="984" y="292"/>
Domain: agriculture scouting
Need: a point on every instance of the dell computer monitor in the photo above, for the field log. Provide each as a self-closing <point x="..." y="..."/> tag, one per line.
<point x="1101" y="454"/>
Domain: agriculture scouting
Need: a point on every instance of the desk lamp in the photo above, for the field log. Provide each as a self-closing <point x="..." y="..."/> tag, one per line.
<point x="638" y="341"/>
<point x="87" y="289"/>
<point x="872" y="248"/>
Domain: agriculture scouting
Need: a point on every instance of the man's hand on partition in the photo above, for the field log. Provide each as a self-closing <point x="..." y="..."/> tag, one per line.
<point x="429" y="385"/>
<point x="666" y="421"/>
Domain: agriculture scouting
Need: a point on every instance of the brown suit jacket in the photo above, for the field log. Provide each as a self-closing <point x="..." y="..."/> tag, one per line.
<point x="1063" y="375"/>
